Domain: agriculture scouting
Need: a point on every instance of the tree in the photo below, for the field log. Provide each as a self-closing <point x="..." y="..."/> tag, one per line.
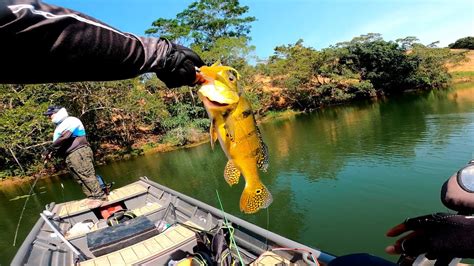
<point x="228" y="50"/>
<point x="407" y="42"/>
<point x="463" y="43"/>
<point x="205" y="21"/>
<point x="385" y="64"/>
<point x="296" y="61"/>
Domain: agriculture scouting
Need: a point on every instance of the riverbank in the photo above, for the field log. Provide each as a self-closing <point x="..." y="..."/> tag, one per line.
<point x="461" y="80"/>
<point x="319" y="163"/>
<point x="462" y="77"/>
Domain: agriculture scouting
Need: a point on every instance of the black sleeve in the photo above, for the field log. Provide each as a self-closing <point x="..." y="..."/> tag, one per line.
<point x="41" y="43"/>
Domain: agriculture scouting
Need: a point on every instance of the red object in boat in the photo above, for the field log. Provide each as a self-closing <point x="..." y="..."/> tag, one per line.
<point x="109" y="210"/>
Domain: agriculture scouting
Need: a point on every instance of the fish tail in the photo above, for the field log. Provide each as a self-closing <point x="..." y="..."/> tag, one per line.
<point x="254" y="198"/>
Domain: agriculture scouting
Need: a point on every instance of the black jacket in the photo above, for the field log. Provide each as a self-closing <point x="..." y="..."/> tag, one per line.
<point x="54" y="44"/>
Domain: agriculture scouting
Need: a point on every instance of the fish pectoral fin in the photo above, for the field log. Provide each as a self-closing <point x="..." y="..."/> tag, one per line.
<point x="213" y="133"/>
<point x="231" y="173"/>
<point x="255" y="198"/>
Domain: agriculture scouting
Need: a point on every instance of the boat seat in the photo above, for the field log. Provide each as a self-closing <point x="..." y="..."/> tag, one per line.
<point x="119" y="194"/>
<point x="172" y="239"/>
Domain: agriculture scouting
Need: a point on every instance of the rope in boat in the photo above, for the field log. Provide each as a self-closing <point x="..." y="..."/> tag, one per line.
<point x="231" y="230"/>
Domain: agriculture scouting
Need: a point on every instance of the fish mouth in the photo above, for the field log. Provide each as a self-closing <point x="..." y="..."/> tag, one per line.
<point x="214" y="104"/>
<point x="218" y="95"/>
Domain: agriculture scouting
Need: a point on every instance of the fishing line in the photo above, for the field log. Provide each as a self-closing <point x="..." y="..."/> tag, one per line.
<point x="66" y="206"/>
<point x="231" y="229"/>
<point x="24" y="205"/>
<point x="268" y="225"/>
<point x="23" y="209"/>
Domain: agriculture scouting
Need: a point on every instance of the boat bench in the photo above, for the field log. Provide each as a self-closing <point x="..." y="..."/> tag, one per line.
<point x="119" y="194"/>
<point x="150" y="250"/>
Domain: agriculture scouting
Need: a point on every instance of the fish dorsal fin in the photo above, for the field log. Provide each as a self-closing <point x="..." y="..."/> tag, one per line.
<point x="231" y="173"/>
<point x="262" y="155"/>
<point x="213" y="133"/>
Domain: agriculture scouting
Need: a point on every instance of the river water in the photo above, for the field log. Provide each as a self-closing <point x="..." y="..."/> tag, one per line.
<point x="340" y="176"/>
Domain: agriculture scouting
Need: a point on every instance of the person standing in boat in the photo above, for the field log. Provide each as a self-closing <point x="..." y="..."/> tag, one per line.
<point x="70" y="142"/>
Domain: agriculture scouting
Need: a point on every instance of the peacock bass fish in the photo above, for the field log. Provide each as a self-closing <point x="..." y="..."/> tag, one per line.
<point x="233" y="124"/>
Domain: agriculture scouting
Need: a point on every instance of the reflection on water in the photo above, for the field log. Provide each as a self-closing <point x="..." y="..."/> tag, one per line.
<point x="340" y="177"/>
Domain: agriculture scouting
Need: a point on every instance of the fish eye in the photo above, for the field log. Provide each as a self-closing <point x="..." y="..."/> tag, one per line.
<point x="258" y="191"/>
<point x="231" y="76"/>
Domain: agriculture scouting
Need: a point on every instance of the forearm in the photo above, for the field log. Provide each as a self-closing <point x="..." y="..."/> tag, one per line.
<point x="62" y="142"/>
<point x="43" y="43"/>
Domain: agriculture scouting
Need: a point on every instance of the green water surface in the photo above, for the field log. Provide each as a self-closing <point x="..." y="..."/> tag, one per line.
<point x="340" y="177"/>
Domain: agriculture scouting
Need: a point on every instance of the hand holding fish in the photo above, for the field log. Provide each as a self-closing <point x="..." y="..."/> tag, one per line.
<point x="233" y="124"/>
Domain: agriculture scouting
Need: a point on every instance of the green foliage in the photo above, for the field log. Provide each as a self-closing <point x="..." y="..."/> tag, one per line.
<point x="182" y="136"/>
<point x="431" y="71"/>
<point x="23" y="128"/>
<point x="463" y="43"/>
<point x="407" y="43"/>
<point x="331" y="93"/>
<point x="183" y="114"/>
<point x="231" y="51"/>
<point x="385" y="64"/>
<point x="363" y="89"/>
<point x="205" y="21"/>
<point x="463" y="74"/>
<point x="171" y="29"/>
<point x="297" y="62"/>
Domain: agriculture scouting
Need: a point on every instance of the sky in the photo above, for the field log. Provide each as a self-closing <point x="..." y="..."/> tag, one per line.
<point x="320" y="23"/>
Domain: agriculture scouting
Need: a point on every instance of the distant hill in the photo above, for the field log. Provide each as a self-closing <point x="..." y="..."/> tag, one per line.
<point x="464" y="66"/>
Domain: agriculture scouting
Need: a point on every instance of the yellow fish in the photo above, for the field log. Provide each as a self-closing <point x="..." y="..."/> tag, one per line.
<point x="233" y="124"/>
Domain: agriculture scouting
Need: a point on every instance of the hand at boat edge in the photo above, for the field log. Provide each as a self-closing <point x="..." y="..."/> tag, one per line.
<point x="439" y="235"/>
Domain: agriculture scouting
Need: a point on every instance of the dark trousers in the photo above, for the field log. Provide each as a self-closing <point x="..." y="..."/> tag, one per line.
<point x="80" y="164"/>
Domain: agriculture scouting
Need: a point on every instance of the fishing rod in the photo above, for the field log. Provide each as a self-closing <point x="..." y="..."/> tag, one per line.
<point x="61" y="236"/>
<point x="26" y="201"/>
